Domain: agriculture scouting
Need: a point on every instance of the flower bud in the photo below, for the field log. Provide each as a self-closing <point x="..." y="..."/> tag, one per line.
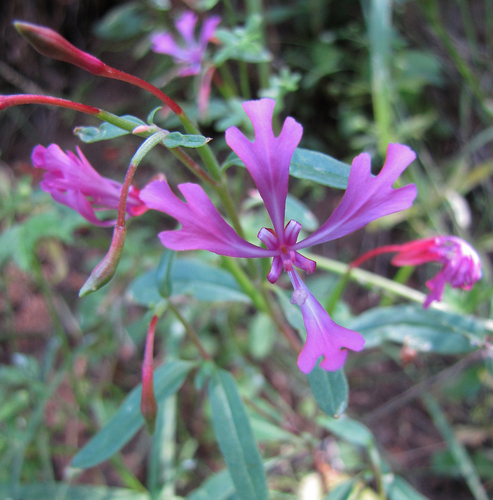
<point x="51" y="44"/>
<point x="148" y="404"/>
<point x="105" y="270"/>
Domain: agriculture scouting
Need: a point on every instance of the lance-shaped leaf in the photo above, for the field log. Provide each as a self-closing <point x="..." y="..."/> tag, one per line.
<point x="330" y="390"/>
<point x="128" y="419"/>
<point x="235" y="437"/>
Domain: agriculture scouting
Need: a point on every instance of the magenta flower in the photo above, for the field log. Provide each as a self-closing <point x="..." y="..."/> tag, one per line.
<point x="267" y="159"/>
<point x="190" y="52"/>
<point x="461" y="263"/>
<point x="72" y="181"/>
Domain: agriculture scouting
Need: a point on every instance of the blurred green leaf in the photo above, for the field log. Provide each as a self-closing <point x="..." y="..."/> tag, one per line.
<point x="123" y="22"/>
<point x="216" y="487"/>
<point x="128" y="419"/>
<point x="342" y="491"/>
<point x="235" y="437"/>
<point x="298" y="211"/>
<point x="312" y="166"/>
<point x="20" y="241"/>
<point x="428" y="330"/>
<point x="348" y="429"/>
<point x="320" y="168"/>
<point x="330" y="389"/>
<point x="242" y="43"/>
<point x="399" y="489"/>
<point x="65" y="491"/>
<point x="189" y="277"/>
<point x="261" y="335"/>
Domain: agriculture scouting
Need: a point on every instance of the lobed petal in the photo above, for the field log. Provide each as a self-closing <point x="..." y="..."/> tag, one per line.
<point x="324" y="337"/>
<point x="185" y="25"/>
<point x="164" y="43"/>
<point x="268" y="157"/>
<point x="208" y="30"/>
<point x="203" y="226"/>
<point x="367" y="197"/>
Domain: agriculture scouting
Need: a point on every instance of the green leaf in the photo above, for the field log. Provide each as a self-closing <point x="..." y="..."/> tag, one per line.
<point x="348" y="429"/>
<point x="320" y="168"/>
<point x="217" y="487"/>
<point x="175" y="139"/>
<point x="150" y="116"/>
<point x="342" y="491"/>
<point x="105" y="131"/>
<point x="189" y="277"/>
<point x="400" y="489"/>
<point x="242" y="43"/>
<point x="128" y="419"/>
<point x="330" y="390"/>
<point x="298" y="211"/>
<point x="20" y="241"/>
<point x="428" y="330"/>
<point x="164" y="280"/>
<point x="50" y="491"/>
<point x="235" y="437"/>
<point x="310" y="165"/>
<point x="261" y="336"/>
<point x="123" y="22"/>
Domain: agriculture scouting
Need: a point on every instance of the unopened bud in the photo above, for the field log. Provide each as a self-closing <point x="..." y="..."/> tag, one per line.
<point x="148" y="403"/>
<point x="105" y="270"/>
<point x="51" y="44"/>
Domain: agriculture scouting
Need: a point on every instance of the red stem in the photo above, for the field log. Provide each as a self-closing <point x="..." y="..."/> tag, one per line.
<point x="7" y="101"/>
<point x="376" y="251"/>
<point x="116" y="74"/>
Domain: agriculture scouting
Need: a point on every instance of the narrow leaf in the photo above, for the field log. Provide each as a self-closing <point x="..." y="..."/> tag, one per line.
<point x="235" y="437"/>
<point x="217" y="487"/>
<point x="105" y="131"/>
<point x="128" y="419"/>
<point x="330" y="390"/>
<point x="50" y="491"/>
<point x="320" y="168"/>
<point x="175" y="139"/>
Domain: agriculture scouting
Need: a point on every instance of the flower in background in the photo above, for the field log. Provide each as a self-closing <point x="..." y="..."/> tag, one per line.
<point x="72" y="181"/>
<point x="461" y="263"/>
<point x="267" y="159"/>
<point x="189" y="53"/>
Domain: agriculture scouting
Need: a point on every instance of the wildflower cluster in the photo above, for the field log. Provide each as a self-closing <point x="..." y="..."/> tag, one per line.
<point x="72" y="181"/>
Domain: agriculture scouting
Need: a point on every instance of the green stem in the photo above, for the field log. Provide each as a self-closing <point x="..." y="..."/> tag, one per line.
<point x="245" y="283"/>
<point x="192" y="334"/>
<point x="337" y="293"/>
<point x="178" y="152"/>
<point x="281" y="323"/>
<point x="245" y="84"/>
<point x="230" y="88"/>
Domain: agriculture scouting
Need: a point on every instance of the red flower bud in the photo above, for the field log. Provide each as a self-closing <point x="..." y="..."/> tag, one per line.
<point x="148" y="404"/>
<point x="51" y="44"/>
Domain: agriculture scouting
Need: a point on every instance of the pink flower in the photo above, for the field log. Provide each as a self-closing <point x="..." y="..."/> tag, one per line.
<point x="267" y="159"/>
<point x="461" y="263"/>
<point x="190" y="53"/>
<point x="72" y="181"/>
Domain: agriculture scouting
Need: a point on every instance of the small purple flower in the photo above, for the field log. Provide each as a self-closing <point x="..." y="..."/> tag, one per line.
<point x="190" y="52"/>
<point x="72" y="181"/>
<point x="267" y="159"/>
